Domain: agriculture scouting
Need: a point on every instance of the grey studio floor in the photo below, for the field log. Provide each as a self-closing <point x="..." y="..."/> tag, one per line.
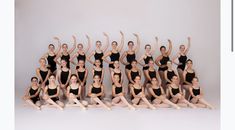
<point x="27" y="118"/>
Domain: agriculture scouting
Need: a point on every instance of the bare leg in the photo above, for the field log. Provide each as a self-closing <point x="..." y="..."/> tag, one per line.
<point x="125" y="102"/>
<point x="79" y="103"/>
<point x="32" y="104"/>
<point x="186" y="87"/>
<point x="180" y="72"/>
<point x="148" y="103"/>
<point x="54" y="104"/>
<point x="201" y="100"/>
<point x="163" y="81"/>
<point x="186" y="102"/>
<point x="115" y="100"/>
<point x="170" y="103"/>
<point x="101" y="103"/>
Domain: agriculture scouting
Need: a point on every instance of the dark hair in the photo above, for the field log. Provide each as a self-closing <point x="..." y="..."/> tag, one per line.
<point x="196" y="78"/>
<point x="162" y="47"/>
<point x="52" y="75"/>
<point x="80" y="44"/>
<point x="63" y="59"/>
<point x="98" y="41"/>
<point x="137" y="76"/>
<point x="116" y="74"/>
<point x="129" y="42"/>
<point x="51" y="45"/>
<point x="134" y="61"/>
<point x="173" y="77"/>
<point x="114" y="42"/>
<point x="34" y="78"/>
<point x="182" y="46"/>
<point x="96" y="75"/>
<point x="147" y="45"/>
<point x="189" y="60"/>
<point x="65" y="44"/>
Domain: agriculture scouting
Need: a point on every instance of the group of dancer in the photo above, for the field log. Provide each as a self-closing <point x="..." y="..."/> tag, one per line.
<point x="165" y="87"/>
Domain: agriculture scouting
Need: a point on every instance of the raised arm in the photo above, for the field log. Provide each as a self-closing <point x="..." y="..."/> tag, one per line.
<point x="89" y="44"/>
<point x="122" y="58"/>
<point x="189" y="43"/>
<point x="155" y="46"/>
<point x="59" y="45"/>
<point x="170" y="47"/>
<point x="122" y="42"/>
<point x="137" y="47"/>
<point x="74" y="45"/>
<point x="107" y="42"/>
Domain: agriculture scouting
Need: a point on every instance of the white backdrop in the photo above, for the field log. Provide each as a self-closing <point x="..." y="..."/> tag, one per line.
<point x="36" y="23"/>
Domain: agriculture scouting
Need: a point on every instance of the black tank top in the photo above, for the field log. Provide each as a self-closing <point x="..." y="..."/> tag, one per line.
<point x="164" y="60"/>
<point x="114" y="56"/>
<point x="96" y="90"/>
<point x="98" y="56"/>
<point x="196" y="91"/>
<point x="152" y="74"/>
<point x="66" y="58"/>
<point x="81" y="75"/>
<point x="130" y="57"/>
<point x="170" y="74"/>
<point x="52" y="91"/>
<point x="32" y="92"/>
<point x="157" y="91"/>
<point x="96" y="72"/>
<point x="134" y="74"/>
<point x="190" y="76"/>
<point x="147" y="59"/>
<point x="118" y="89"/>
<point x="64" y="75"/>
<point x="73" y="91"/>
<point x="81" y="57"/>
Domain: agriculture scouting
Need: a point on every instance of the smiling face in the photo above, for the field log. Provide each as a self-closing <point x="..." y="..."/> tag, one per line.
<point x="51" y="47"/>
<point x="174" y="79"/>
<point x="98" y="44"/>
<point x="154" y="81"/>
<point x="65" y="47"/>
<point x="137" y="79"/>
<point x="195" y="81"/>
<point x="163" y="50"/>
<point x="169" y="64"/>
<point x="63" y="63"/>
<point x="80" y="47"/>
<point x="73" y="79"/>
<point x="114" y="45"/>
<point x="116" y="78"/>
<point x="97" y="63"/>
<point x="182" y="48"/>
<point x="51" y="79"/>
<point x="133" y="64"/>
<point x="147" y="48"/>
<point x="34" y="81"/>
<point x="81" y="63"/>
<point x="189" y="64"/>
<point x="130" y="45"/>
<point x="116" y="64"/>
<point x="42" y="62"/>
<point x="96" y="78"/>
<point x="151" y="63"/>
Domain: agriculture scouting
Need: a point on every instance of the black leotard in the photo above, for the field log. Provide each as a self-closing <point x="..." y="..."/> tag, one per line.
<point x="98" y="56"/>
<point x="189" y="77"/>
<point x="152" y="74"/>
<point x="146" y="61"/>
<point x="44" y="75"/>
<point x="51" y="63"/>
<point x="66" y="58"/>
<point x="129" y="59"/>
<point x="52" y="92"/>
<point x="64" y="75"/>
<point x="133" y="75"/>
<point x="114" y="57"/>
<point x="74" y="91"/>
<point x="182" y="59"/>
<point x="136" y="91"/>
<point x="163" y="61"/>
<point x="118" y="89"/>
<point x="81" y="76"/>
<point x="32" y="92"/>
<point x="96" y="90"/>
<point x="195" y="93"/>
<point x="81" y="57"/>
<point x="170" y="74"/>
<point x="156" y="92"/>
<point x="96" y="72"/>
